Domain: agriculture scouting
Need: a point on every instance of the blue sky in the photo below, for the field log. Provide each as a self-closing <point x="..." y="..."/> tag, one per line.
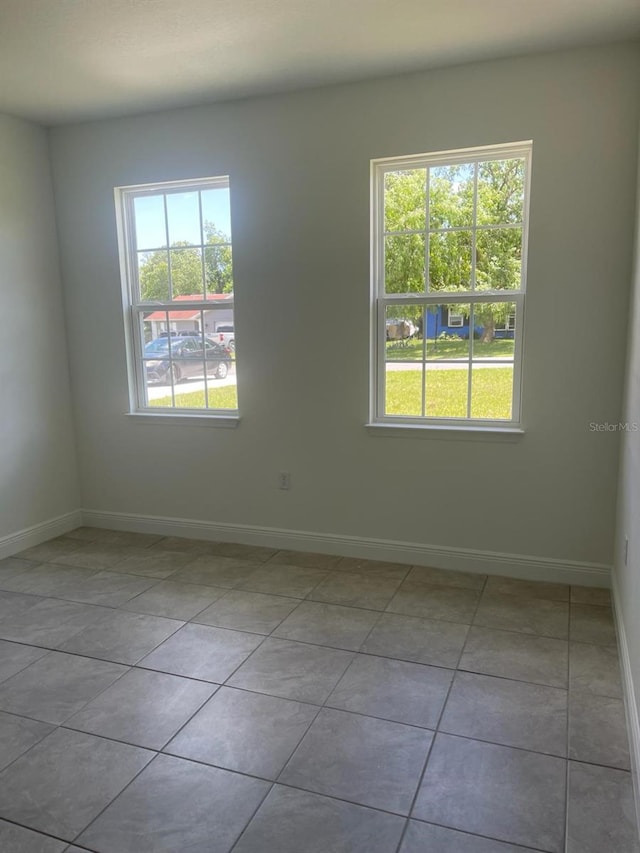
<point x="183" y="216"/>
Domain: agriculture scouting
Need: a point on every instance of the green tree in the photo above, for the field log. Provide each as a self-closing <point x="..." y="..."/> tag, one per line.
<point x="186" y="268"/>
<point x="217" y="261"/>
<point x="451" y="190"/>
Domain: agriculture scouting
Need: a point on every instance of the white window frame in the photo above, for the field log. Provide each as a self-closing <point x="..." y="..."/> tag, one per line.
<point x="134" y="306"/>
<point x="456" y="325"/>
<point x="380" y="300"/>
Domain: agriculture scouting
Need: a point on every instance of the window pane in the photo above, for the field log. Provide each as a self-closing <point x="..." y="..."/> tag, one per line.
<point x="451" y="196"/>
<point x="218" y="266"/>
<point x="216" y="215"/>
<point x="495" y="325"/>
<point x="183" y="213"/>
<point x="403" y="333"/>
<point x="450" y="260"/>
<point x="151" y="232"/>
<point x="448" y="332"/>
<point x="501" y="192"/>
<point x="405" y="200"/>
<point x="403" y="389"/>
<point x="186" y="273"/>
<point x="153" y="276"/>
<point x="492" y="390"/>
<point x="499" y="259"/>
<point x="446" y="390"/>
<point x="176" y="354"/>
<point x="404" y="262"/>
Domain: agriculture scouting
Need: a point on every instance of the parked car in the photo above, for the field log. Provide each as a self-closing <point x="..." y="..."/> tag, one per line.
<point x="178" y="357"/>
<point x="226" y="336"/>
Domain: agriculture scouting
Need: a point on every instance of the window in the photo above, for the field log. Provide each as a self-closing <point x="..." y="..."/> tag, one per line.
<point x="449" y="235"/>
<point x="178" y="296"/>
<point x="455" y="320"/>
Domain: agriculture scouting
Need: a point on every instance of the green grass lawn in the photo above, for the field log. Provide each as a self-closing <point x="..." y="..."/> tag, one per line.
<point x="436" y="349"/>
<point x="219" y="398"/>
<point x="446" y="397"/>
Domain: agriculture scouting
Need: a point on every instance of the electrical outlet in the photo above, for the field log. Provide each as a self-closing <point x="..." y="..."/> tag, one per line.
<point x="626" y="550"/>
<point x="284" y="480"/>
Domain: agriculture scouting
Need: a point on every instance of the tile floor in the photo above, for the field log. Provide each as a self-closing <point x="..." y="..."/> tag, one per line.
<point x="163" y="694"/>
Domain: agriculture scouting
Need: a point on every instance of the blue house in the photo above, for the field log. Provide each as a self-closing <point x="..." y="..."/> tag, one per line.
<point x="447" y="320"/>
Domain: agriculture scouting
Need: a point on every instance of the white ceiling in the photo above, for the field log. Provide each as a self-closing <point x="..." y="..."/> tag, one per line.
<point x="69" y="60"/>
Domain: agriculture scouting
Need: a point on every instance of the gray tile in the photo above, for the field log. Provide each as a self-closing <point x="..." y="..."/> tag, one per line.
<point x="601" y="811"/>
<point x="12" y="603"/>
<point x="186" y="806"/>
<point x="17" y="839"/>
<point x="66" y="780"/>
<point x="598" y="730"/>
<point x="595" y="669"/>
<point x="122" y="637"/>
<point x="94" y="555"/>
<point x="153" y="563"/>
<point x="591" y="595"/>
<point x="294" y="581"/>
<point x="444" y="577"/>
<point x="292" y="670"/>
<point x="17" y="735"/>
<point x="248" y="611"/>
<point x="291" y="821"/>
<point x="248" y="732"/>
<point x="396" y="690"/>
<point x="511" y="713"/>
<point x="420" y="640"/>
<point x="174" y="600"/>
<point x="430" y="601"/>
<point x="499" y="585"/>
<point x="427" y="838"/>
<point x="508" y="794"/>
<point x="11" y="567"/>
<point x="183" y="545"/>
<point x="525" y="615"/>
<point x="217" y="571"/>
<point x="143" y="708"/>
<point x="56" y="686"/>
<point x="328" y="625"/>
<point x="365" y="760"/>
<point x="524" y="657"/>
<point x="304" y="559"/>
<point x="199" y="651"/>
<point x="50" y="550"/>
<point x="356" y="590"/>
<point x="48" y="579"/>
<point x="258" y="553"/>
<point x="127" y="538"/>
<point x="14" y="657"/>
<point x="373" y="568"/>
<point x="592" y="624"/>
<point x="85" y="534"/>
<point x="51" y="622"/>
<point x="109" y="589"/>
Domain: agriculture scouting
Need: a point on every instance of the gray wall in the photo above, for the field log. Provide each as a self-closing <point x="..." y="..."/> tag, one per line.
<point x="37" y="455"/>
<point x="299" y="167"/>
<point x="627" y="576"/>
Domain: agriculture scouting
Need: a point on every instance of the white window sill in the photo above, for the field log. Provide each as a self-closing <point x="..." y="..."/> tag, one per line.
<point x="217" y="421"/>
<point x="454" y="432"/>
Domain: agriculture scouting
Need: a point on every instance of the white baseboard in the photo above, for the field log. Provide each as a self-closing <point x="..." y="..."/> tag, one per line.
<point x="438" y="556"/>
<point x="630" y="704"/>
<point x="30" y="536"/>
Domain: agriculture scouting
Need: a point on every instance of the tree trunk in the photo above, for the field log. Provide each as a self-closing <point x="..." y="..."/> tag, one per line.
<point x="488" y="330"/>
